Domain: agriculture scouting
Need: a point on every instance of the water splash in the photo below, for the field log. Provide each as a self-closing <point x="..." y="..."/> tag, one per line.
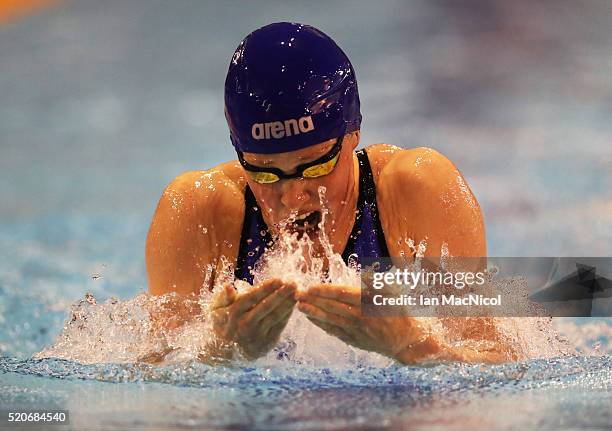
<point x="173" y="328"/>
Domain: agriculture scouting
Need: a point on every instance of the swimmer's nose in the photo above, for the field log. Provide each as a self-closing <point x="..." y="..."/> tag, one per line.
<point x="294" y="195"/>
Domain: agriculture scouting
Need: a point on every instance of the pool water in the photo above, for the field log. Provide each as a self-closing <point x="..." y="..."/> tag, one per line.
<point x="570" y="393"/>
<point x="102" y="105"/>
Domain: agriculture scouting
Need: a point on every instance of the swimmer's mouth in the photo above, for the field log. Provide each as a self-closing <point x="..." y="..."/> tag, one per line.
<point x="307" y="221"/>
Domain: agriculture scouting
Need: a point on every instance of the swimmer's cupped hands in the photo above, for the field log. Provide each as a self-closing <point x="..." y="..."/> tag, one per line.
<point x="337" y="310"/>
<point x="253" y="320"/>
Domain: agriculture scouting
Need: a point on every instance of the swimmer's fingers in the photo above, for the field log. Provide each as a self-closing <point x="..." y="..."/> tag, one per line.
<point x="314" y="312"/>
<point x="347" y="294"/>
<point x="351" y="312"/>
<point x="269" y="305"/>
<point x="273" y="325"/>
<point x="278" y="318"/>
<point x="224" y="297"/>
<point x="251" y="298"/>
<point x="222" y="318"/>
<point x="336" y="331"/>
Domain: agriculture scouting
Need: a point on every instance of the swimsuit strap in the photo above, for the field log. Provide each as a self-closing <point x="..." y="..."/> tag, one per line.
<point x="252" y="242"/>
<point x="367" y="239"/>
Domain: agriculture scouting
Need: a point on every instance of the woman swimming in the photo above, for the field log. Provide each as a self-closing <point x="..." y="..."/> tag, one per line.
<point x="292" y="106"/>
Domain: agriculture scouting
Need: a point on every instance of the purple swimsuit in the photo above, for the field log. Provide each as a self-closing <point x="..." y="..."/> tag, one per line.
<point x="367" y="238"/>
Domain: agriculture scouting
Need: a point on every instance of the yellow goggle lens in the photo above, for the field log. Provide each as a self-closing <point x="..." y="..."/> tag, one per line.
<point x="320" y="170"/>
<point x="264" y="177"/>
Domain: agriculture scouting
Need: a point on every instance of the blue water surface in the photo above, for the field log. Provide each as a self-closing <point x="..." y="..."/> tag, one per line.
<point x="561" y="393"/>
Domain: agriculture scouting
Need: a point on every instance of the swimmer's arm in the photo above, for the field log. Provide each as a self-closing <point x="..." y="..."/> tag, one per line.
<point x="337" y="310"/>
<point x="198" y="220"/>
<point x="167" y="313"/>
<point x="432" y="350"/>
<point x="171" y="311"/>
<point x="430" y="201"/>
<point x="424" y="197"/>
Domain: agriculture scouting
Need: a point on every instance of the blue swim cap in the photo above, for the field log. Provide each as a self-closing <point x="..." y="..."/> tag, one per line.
<point x="289" y="86"/>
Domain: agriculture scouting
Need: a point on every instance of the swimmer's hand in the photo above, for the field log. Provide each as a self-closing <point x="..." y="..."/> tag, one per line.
<point x="254" y="319"/>
<point x="337" y="310"/>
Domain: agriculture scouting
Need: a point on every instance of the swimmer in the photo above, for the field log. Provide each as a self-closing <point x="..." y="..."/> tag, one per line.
<point x="292" y="106"/>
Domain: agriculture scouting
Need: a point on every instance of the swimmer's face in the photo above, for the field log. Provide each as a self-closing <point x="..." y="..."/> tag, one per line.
<point x="299" y="197"/>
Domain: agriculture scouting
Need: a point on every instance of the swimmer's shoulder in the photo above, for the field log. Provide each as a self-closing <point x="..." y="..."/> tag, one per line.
<point x="224" y="177"/>
<point x="421" y="194"/>
<point x="197" y="221"/>
<point x="393" y="164"/>
<point x="215" y="190"/>
<point x="208" y="197"/>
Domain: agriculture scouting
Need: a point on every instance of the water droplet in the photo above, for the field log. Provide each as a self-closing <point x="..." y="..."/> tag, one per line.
<point x="89" y="298"/>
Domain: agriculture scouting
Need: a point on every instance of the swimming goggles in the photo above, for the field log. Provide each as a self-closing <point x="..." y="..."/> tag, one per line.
<point x="317" y="168"/>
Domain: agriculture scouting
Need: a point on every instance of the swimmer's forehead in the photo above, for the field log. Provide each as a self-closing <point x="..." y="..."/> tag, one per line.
<point x="303" y="155"/>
